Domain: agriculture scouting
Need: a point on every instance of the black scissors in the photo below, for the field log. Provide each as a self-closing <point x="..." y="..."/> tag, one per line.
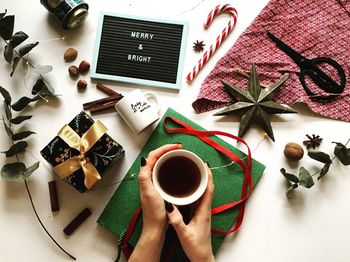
<point x="312" y="69"/>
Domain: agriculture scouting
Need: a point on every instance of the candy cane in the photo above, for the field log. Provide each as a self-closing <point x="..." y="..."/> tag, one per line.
<point x="209" y="53"/>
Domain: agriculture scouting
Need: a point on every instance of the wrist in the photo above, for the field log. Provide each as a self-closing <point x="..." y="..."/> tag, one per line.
<point x="156" y="234"/>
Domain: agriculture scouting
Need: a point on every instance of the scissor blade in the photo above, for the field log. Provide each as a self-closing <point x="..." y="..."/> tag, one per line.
<point x="297" y="58"/>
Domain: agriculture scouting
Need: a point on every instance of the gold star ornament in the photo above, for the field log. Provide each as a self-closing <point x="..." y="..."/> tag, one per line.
<point x="255" y="104"/>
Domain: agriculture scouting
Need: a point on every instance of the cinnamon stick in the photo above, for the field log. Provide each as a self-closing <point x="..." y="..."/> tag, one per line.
<point x="100" y="102"/>
<point x="102" y="107"/>
<point x="106" y="90"/>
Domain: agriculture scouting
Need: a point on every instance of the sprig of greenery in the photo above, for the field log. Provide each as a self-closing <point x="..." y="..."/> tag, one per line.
<point x="305" y="179"/>
<point x="15" y="51"/>
<point x="17" y="170"/>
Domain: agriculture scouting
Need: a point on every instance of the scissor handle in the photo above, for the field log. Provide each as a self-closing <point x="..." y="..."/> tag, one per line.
<point x="322" y="80"/>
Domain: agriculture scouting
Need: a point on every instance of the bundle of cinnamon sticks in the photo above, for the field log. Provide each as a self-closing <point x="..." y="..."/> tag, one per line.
<point x="104" y="103"/>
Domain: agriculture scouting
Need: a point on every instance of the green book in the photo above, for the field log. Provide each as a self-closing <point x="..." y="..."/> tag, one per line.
<point x="228" y="181"/>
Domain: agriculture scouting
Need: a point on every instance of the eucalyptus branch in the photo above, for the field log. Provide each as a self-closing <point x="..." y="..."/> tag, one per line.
<point x="305" y="179"/>
<point x="13" y="56"/>
<point x="17" y="171"/>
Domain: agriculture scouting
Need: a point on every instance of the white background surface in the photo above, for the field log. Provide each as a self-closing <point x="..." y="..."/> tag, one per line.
<point x="313" y="226"/>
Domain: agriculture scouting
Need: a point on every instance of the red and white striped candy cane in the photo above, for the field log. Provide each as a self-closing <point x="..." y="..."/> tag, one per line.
<point x="209" y="53"/>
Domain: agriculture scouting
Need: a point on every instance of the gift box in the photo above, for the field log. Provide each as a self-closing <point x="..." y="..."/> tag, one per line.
<point x="82" y="151"/>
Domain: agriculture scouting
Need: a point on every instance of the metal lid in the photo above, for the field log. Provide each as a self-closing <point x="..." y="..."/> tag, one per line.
<point x="76" y="17"/>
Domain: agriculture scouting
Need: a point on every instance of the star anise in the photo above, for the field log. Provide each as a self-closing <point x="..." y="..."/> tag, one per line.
<point x="198" y="46"/>
<point x="313" y="141"/>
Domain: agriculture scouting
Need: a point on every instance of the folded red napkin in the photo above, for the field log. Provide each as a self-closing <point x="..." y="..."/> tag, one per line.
<point x="315" y="28"/>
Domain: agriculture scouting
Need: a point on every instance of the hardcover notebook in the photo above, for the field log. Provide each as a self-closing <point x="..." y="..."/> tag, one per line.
<point x="228" y="183"/>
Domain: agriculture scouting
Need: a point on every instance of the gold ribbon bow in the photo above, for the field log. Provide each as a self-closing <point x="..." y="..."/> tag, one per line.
<point x="83" y="145"/>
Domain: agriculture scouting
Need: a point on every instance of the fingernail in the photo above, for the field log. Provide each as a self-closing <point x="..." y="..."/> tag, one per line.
<point x="168" y="206"/>
<point x="143" y="161"/>
<point x="207" y="164"/>
<point x="179" y="143"/>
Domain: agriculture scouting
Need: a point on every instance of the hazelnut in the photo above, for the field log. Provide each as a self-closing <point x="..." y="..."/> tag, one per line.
<point x="81" y="85"/>
<point x="73" y="71"/>
<point x="84" y="66"/>
<point x="293" y="151"/>
<point x="70" y="55"/>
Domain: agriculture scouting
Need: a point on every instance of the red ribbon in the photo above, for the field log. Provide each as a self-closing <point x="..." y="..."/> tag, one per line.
<point x="247" y="185"/>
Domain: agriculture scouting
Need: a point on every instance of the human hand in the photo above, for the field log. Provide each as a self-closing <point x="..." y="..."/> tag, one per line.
<point x="153" y="210"/>
<point x="195" y="237"/>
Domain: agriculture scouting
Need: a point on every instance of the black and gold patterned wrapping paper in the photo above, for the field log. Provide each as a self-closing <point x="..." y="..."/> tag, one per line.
<point x="101" y="154"/>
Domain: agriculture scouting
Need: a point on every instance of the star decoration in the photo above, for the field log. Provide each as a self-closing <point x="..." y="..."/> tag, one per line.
<point x="255" y="104"/>
<point x="198" y="46"/>
<point x="313" y="141"/>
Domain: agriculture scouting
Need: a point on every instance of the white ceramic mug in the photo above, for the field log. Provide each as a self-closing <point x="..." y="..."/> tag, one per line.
<point x="196" y="193"/>
<point x="139" y="109"/>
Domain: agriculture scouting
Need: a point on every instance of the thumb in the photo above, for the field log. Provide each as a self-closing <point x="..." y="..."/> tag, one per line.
<point x="175" y="219"/>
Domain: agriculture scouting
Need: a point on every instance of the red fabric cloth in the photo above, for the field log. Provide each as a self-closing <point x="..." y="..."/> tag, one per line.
<point x="315" y="28"/>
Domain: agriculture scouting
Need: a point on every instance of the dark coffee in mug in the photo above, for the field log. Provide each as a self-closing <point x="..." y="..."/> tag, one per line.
<point x="179" y="176"/>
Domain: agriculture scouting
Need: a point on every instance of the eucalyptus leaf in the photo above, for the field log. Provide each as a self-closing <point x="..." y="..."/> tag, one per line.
<point x="342" y="153"/>
<point x="6" y="95"/>
<point x="30" y="170"/>
<point x="305" y="178"/>
<point x="38" y="86"/>
<point x="324" y="170"/>
<point x="19" y="119"/>
<point x="289" y="177"/>
<point x="8" y="53"/>
<point x="291" y="189"/>
<point x="18" y="38"/>
<point x="48" y="90"/>
<point x="6" y="26"/>
<point x="7" y="128"/>
<point x="22" y="135"/>
<point x="13" y="171"/>
<point x="3" y="14"/>
<point x="43" y="69"/>
<point x="7" y="111"/>
<point x="27" y="48"/>
<point x="14" y="64"/>
<point x="17" y="148"/>
<point x="23" y="102"/>
<point x="319" y="156"/>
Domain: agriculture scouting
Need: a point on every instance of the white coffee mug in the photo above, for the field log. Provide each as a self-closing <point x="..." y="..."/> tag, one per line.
<point x="163" y="162"/>
<point x="139" y="109"/>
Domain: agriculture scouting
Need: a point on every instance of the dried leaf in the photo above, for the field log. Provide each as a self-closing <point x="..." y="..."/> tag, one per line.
<point x="6" y="95"/>
<point x="319" y="156"/>
<point x="30" y="170"/>
<point x="22" y="135"/>
<point x="7" y="111"/>
<point x="17" y="148"/>
<point x="342" y="153"/>
<point x="19" y="119"/>
<point x="8" y="53"/>
<point x="14" y="65"/>
<point x="324" y="170"/>
<point x="3" y="14"/>
<point x="6" y="26"/>
<point x="305" y="178"/>
<point x="7" y="128"/>
<point x="23" y="102"/>
<point x="18" y="38"/>
<point x="289" y="177"/>
<point x="41" y="70"/>
<point x="13" y="171"/>
<point x="27" y="48"/>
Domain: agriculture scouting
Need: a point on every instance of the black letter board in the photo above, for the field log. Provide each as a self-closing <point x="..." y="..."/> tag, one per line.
<point x="140" y="50"/>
